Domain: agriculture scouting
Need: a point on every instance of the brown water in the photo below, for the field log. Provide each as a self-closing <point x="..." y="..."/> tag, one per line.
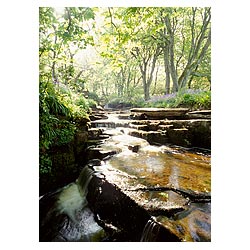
<point x="138" y="166"/>
<point x="162" y="166"/>
<point x="149" y="175"/>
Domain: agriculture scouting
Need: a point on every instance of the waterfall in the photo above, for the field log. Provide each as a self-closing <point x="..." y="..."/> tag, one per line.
<point x="83" y="180"/>
<point x="81" y="225"/>
<point x="73" y="197"/>
<point x="150" y="231"/>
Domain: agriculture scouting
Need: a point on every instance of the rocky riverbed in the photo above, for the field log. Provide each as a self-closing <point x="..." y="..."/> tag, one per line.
<point x="148" y="179"/>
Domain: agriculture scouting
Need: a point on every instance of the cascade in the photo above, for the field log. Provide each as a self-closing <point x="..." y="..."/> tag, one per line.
<point x="150" y="231"/>
<point x="70" y="219"/>
<point x="142" y="174"/>
<point x="84" y="179"/>
<point x="73" y="197"/>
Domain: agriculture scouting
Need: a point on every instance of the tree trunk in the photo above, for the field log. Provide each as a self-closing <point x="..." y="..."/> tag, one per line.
<point x="173" y="70"/>
<point x="167" y="69"/>
<point x="146" y="67"/>
<point x="156" y="77"/>
<point x="199" y="44"/>
<point x="194" y="63"/>
<point x="150" y="79"/>
<point x="145" y="85"/>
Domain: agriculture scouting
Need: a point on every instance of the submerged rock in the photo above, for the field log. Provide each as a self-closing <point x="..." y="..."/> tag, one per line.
<point x="119" y="214"/>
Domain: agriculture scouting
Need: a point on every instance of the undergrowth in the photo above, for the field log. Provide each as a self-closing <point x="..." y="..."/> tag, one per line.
<point x="192" y="99"/>
<point x="59" y="109"/>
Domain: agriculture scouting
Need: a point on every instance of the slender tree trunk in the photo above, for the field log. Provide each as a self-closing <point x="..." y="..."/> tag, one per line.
<point x="173" y="70"/>
<point x="150" y="79"/>
<point x="147" y="64"/>
<point x="167" y="69"/>
<point x="192" y="66"/>
<point x="145" y="85"/>
<point x="156" y="77"/>
<point x="53" y="67"/>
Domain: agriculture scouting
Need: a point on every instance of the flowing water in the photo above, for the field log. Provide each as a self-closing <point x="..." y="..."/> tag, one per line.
<point x="137" y="165"/>
<point x="70" y="218"/>
<point x="158" y="178"/>
<point x="150" y="230"/>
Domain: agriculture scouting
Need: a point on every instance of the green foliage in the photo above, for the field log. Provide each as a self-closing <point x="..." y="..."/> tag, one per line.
<point x="119" y="103"/>
<point x="59" y="109"/>
<point x="193" y="99"/>
<point x="61" y="36"/>
<point x="126" y="102"/>
<point x="93" y="96"/>
<point x="56" y="107"/>
<point x="92" y="103"/>
<point x="45" y="164"/>
<point x="130" y="40"/>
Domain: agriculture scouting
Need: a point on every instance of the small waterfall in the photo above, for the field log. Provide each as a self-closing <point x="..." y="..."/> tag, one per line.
<point x="80" y="224"/>
<point x="150" y="231"/>
<point x="83" y="180"/>
<point x="72" y="199"/>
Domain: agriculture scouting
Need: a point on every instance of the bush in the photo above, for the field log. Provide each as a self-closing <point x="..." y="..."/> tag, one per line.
<point x="58" y="112"/>
<point x="92" y="103"/>
<point x="193" y="99"/>
<point x="93" y="96"/>
<point x="120" y="103"/>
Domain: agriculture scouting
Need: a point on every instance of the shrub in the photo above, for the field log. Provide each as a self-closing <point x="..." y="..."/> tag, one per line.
<point x="93" y="96"/>
<point x="193" y="99"/>
<point x="120" y="103"/>
<point x="91" y="103"/>
<point x="58" y="111"/>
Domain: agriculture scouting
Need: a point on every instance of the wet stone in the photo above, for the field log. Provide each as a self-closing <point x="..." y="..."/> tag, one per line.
<point x="140" y="170"/>
<point x="140" y="192"/>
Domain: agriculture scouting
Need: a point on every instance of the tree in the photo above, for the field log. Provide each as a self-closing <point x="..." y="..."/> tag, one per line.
<point x="181" y="37"/>
<point x="146" y="56"/>
<point x="61" y="37"/>
<point x="187" y="37"/>
<point x="121" y="71"/>
<point x="133" y="32"/>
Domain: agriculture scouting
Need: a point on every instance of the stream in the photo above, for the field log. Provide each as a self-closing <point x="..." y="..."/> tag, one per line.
<point x="132" y="190"/>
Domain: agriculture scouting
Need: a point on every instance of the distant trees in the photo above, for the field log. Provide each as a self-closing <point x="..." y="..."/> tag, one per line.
<point x="135" y="51"/>
<point x="61" y="36"/>
<point x="178" y="38"/>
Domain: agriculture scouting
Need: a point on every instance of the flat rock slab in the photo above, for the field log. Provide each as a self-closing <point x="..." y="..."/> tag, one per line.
<point x="199" y="114"/>
<point x="161" y="112"/>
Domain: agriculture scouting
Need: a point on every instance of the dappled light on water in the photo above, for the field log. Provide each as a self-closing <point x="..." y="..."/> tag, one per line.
<point x="162" y="166"/>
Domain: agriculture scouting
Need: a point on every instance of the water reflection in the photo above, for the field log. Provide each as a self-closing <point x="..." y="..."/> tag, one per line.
<point x="174" y="181"/>
<point x="153" y="166"/>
